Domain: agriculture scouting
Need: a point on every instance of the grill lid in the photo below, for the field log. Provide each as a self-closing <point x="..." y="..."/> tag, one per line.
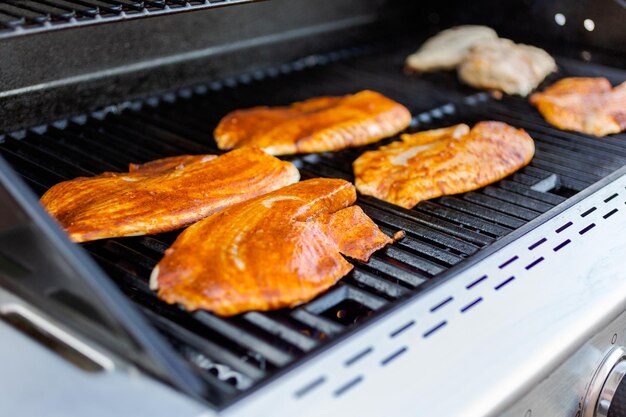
<point x="39" y="264"/>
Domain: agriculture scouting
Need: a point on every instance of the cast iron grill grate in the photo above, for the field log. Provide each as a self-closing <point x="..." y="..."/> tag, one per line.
<point x="236" y="353"/>
<point x="38" y="14"/>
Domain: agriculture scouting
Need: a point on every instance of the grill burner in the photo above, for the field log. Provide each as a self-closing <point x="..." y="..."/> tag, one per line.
<point x="233" y="354"/>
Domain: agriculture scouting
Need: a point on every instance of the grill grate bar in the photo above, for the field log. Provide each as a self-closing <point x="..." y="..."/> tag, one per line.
<point x="480" y="212"/>
<point x="133" y="151"/>
<point x="165" y="145"/>
<point x="77" y="140"/>
<point x="419" y="263"/>
<point x="26" y="14"/>
<point x="325" y="326"/>
<point x="598" y="160"/>
<point x="424" y="249"/>
<point x="207" y="347"/>
<point x="386" y="288"/>
<point x="272" y="354"/>
<point x="31" y="171"/>
<point x="103" y="7"/>
<point x="276" y="328"/>
<point x="516" y="198"/>
<point x="78" y="155"/>
<point x="63" y="161"/>
<point x="47" y="9"/>
<point x="574" y="166"/>
<point x="149" y="118"/>
<point x="465" y="219"/>
<point x="525" y="179"/>
<point x="425" y="233"/>
<point x="567" y="175"/>
<point x="9" y="21"/>
<point x="530" y="193"/>
<point x="30" y="14"/>
<point x="74" y="7"/>
<point x="120" y="134"/>
<point x="428" y="220"/>
<point x="541" y="174"/>
<point x="385" y="266"/>
<point x="151" y="131"/>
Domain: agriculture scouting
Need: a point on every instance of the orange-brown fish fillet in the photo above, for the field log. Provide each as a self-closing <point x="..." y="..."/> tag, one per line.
<point x="277" y="250"/>
<point x="163" y="195"/>
<point x="587" y="105"/>
<point x="445" y="161"/>
<point x="315" y="125"/>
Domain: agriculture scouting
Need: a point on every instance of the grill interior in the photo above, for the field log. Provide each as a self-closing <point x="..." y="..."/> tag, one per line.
<point x="234" y="354"/>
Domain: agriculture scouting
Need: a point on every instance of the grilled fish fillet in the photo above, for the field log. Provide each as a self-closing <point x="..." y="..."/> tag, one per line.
<point x="163" y="195"/>
<point x="447" y="49"/>
<point x="277" y="250"/>
<point x="166" y="164"/>
<point x="588" y="105"/>
<point x="315" y="125"/>
<point x="440" y="162"/>
<point x="503" y="65"/>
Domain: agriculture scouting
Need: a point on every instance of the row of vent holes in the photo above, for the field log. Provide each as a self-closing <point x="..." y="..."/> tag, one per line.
<point x="391" y="357"/>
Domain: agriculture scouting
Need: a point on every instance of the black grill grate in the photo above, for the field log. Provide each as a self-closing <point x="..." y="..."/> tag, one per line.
<point x="235" y="353"/>
<point x="44" y="14"/>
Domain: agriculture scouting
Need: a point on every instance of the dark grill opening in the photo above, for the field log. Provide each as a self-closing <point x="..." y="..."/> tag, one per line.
<point x="347" y="312"/>
<point x="563" y="191"/>
<point x="234" y="354"/>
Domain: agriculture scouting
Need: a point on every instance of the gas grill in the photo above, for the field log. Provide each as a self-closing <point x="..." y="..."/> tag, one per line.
<point x="508" y="300"/>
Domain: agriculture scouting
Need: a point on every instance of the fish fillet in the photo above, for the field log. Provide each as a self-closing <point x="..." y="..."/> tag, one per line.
<point x="447" y="49"/>
<point x="315" y="125"/>
<point x="588" y="105"/>
<point x="163" y="195"/>
<point x="440" y="162"/>
<point x="277" y="250"/>
<point x="503" y="65"/>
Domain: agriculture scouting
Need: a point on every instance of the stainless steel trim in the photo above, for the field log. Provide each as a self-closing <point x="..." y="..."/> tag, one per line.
<point x="596" y="387"/>
<point x="609" y="388"/>
<point x="37" y="382"/>
<point x="105" y="362"/>
<point x="562" y="393"/>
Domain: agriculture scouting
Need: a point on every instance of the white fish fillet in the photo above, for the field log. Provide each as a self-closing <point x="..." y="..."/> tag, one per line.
<point x="446" y="49"/>
<point x="504" y="65"/>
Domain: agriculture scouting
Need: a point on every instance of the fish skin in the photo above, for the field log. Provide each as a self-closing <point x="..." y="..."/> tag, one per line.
<point x="163" y="195"/>
<point x="277" y="250"/>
